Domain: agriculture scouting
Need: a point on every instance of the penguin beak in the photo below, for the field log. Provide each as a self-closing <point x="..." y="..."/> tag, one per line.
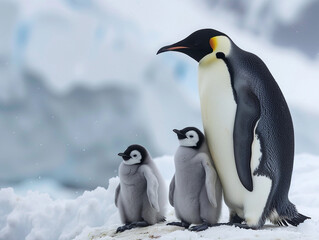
<point x="170" y="48"/>
<point x="180" y="135"/>
<point x="186" y="46"/>
<point x="124" y="156"/>
<point x="178" y="47"/>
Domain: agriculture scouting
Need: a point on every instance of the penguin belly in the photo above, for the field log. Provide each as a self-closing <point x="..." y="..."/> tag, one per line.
<point x="218" y="109"/>
<point x="189" y="181"/>
<point x="132" y="203"/>
<point x="133" y="196"/>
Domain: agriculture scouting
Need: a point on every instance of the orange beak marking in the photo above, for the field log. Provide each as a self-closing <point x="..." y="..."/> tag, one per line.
<point x="175" y="48"/>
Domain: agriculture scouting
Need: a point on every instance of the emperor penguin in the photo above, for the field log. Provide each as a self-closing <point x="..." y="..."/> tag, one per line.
<point x="195" y="190"/>
<point x="141" y="194"/>
<point x="248" y="128"/>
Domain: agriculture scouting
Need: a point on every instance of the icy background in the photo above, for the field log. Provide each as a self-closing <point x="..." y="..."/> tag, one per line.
<point x="80" y="81"/>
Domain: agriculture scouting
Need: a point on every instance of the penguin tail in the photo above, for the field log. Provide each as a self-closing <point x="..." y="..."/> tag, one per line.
<point x="290" y="215"/>
<point x="295" y="221"/>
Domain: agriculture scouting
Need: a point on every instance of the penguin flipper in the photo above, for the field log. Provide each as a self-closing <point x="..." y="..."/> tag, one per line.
<point x="117" y="193"/>
<point x="171" y="191"/>
<point x="247" y="115"/>
<point x="210" y="180"/>
<point x="152" y="187"/>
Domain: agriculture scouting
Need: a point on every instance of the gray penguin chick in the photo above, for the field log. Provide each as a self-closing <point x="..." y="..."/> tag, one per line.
<point x="141" y="194"/>
<point x="195" y="190"/>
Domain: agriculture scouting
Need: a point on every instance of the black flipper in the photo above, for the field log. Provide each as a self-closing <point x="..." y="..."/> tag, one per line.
<point x="247" y="115"/>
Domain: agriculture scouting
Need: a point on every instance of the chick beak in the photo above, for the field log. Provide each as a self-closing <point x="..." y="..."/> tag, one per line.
<point x="180" y="135"/>
<point x="124" y="156"/>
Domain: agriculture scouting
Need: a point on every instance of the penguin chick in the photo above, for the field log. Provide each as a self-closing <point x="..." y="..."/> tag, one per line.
<point x="195" y="190"/>
<point x="141" y="194"/>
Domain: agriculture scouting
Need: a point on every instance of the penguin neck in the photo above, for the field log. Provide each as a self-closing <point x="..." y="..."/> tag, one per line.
<point x="192" y="151"/>
<point x="202" y="147"/>
<point x="183" y="154"/>
<point x="147" y="160"/>
<point x="126" y="170"/>
<point x="208" y="60"/>
<point x="222" y="45"/>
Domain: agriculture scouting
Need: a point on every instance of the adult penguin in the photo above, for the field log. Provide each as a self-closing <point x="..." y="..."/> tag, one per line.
<point x="248" y="128"/>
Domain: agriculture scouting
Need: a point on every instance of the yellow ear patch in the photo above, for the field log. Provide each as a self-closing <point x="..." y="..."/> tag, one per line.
<point x="213" y="43"/>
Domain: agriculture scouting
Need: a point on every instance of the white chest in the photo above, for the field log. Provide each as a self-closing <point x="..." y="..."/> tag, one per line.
<point x="218" y="109"/>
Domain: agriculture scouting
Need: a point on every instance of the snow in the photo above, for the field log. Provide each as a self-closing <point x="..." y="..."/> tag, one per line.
<point x="93" y="215"/>
<point x="38" y="216"/>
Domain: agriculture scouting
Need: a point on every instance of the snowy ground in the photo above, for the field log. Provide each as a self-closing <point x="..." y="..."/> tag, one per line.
<point x="93" y="216"/>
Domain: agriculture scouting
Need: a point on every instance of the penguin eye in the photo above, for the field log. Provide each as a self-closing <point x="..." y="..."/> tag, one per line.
<point x="191" y="136"/>
<point x="134" y="155"/>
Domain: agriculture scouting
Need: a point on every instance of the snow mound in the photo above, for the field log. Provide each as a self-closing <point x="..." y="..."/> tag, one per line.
<point x="94" y="215"/>
<point x="37" y="216"/>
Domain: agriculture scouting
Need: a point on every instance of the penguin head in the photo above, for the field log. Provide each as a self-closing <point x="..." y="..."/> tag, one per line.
<point x="202" y="43"/>
<point x="134" y="154"/>
<point x="190" y="137"/>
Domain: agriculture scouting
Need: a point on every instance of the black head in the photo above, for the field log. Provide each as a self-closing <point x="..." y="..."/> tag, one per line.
<point x="190" y="137"/>
<point x="197" y="45"/>
<point x="134" y="154"/>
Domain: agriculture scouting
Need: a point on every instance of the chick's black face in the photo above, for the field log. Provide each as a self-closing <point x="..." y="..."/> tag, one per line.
<point x="197" y="45"/>
<point x="190" y="137"/>
<point x="180" y="134"/>
<point x="132" y="152"/>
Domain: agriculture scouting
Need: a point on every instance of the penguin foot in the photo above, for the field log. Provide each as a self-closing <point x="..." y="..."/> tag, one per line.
<point x="236" y="219"/>
<point x="138" y="224"/>
<point x="123" y="228"/>
<point x="129" y="226"/>
<point x="201" y="227"/>
<point x="204" y="226"/>
<point x="243" y="226"/>
<point x="179" y="224"/>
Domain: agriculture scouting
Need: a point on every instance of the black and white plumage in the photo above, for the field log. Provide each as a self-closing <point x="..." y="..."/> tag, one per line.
<point x="248" y="127"/>
<point x="195" y="190"/>
<point x="141" y="194"/>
